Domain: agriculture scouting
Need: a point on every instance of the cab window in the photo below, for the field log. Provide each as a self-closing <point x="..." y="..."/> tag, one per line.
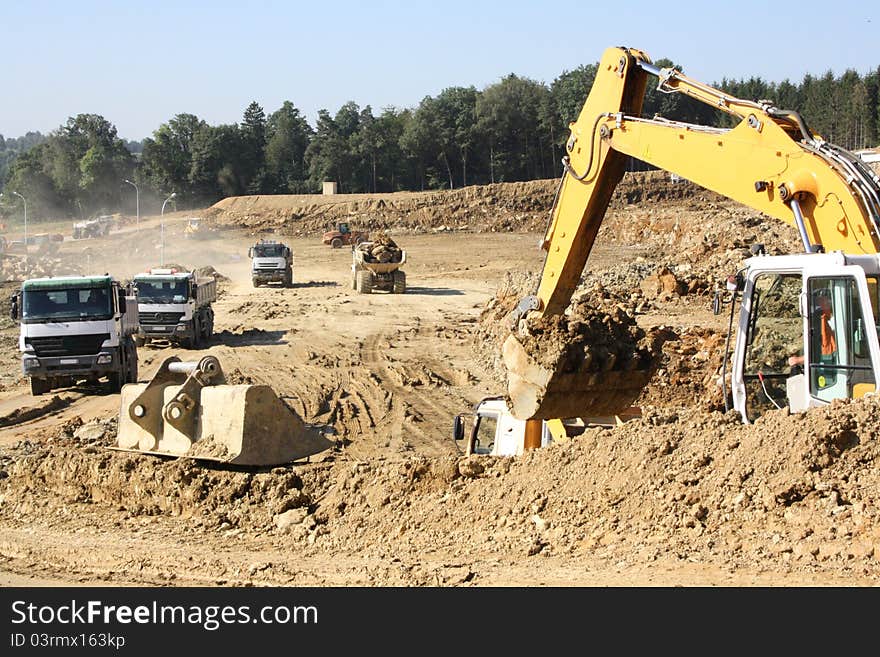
<point x="840" y="358"/>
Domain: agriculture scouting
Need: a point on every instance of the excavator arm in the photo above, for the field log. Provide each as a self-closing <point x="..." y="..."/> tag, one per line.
<point x="770" y="161"/>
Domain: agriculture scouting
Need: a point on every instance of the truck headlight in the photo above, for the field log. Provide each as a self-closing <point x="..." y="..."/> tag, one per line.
<point x="30" y="362"/>
<point x="180" y="327"/>
<point x="103" y="359"/>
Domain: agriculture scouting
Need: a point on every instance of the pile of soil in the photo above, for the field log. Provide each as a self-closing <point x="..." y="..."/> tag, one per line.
<point x="792" y="493"/>
<point x="381" y="249"/>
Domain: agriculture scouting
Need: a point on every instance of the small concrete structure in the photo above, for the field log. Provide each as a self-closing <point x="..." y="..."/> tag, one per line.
<point x="329" y="187"/>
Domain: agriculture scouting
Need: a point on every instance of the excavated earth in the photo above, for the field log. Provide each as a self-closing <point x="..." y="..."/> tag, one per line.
<point x="684" y="495"/>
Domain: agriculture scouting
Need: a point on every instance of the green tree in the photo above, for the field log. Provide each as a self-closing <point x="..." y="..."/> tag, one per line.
<point x="510" y="117"/>
<point x="167" y="157"/>
<point x="570" y="91"/>
<point x="328" y="155"/>
<point x="253" y="143"/>
<point x="217" y="166"/>
<point x="288" y="136"/>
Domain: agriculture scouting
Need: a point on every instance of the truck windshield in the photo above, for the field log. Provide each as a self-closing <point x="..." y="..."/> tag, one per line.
<point x="269" y="251"/>
<point x="66" y="304"/>
<point x="161" y="290"/>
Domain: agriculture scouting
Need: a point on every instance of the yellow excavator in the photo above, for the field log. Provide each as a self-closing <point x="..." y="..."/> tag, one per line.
<point x="770" y="161"/>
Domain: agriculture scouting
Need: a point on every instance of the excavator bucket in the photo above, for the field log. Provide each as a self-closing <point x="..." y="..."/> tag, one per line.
<point x="562" y="388"/>
<point x="189" y="410"/>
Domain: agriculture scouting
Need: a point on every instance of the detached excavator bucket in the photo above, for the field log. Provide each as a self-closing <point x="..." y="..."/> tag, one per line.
<point x="568" y="381"/>
<point x="188" y="410"/>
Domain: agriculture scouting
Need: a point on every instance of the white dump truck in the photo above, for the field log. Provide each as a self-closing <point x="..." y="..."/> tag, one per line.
<point x="271" y="262"/>
<point x="175" y="305"/>
<point x="494" y="431"/>
<point x="74" y="329"/>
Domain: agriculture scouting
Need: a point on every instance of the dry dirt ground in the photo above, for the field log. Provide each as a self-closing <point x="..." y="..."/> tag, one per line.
<point x="683" y="496"/>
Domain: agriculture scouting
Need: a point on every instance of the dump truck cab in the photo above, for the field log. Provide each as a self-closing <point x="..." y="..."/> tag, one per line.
<point x="495" y="432"/>
<point x="271" y="262"/>
<point x="76" y="328"/>
<point x="175" y="305"/>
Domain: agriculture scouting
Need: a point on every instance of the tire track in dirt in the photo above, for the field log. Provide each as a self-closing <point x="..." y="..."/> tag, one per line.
<point x="415" y="387"/>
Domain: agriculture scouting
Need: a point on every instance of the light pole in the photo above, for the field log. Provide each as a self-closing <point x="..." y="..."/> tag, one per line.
<point x="137" y="201"/>
<point x="162" y="226"/>
<point x="173" y="194"/>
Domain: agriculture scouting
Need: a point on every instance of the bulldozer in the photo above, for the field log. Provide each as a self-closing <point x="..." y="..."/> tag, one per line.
<point x="189" y="410"/>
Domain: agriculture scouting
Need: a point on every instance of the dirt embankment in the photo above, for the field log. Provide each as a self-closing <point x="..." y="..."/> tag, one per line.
<point x="498" y="207"/>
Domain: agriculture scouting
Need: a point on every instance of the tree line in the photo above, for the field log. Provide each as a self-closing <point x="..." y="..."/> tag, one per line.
<point x="513" y="130"/>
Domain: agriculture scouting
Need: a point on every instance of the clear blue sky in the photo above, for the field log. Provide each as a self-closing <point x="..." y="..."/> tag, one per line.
<point x="140" y="63"/>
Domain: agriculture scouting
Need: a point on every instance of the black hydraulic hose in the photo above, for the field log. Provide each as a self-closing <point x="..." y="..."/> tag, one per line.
<point x="797" y="118"/>
<point x="727" y="353"/>
<point x="565" y="160"/>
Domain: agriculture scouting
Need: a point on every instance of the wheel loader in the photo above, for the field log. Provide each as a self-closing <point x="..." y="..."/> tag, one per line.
<point x="189" y="410"/>
<point x="770" y="161"/>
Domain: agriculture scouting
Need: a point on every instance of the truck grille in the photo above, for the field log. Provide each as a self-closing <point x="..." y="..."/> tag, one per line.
<point x="67" y="345"/>
<point x="159" y="318"/>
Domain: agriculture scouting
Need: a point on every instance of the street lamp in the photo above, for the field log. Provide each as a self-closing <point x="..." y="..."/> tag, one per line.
<point x="25" y="217"/>
<point x="162" y="226"/>
<point x="137" y="200"/>
<point x="173" y="194"/>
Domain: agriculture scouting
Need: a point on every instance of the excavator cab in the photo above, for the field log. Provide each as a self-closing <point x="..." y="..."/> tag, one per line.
<point x="807" y="332"/>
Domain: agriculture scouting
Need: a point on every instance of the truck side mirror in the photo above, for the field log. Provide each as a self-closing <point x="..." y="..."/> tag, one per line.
<point x="120" y="300"/>
<point x="13" y="306"/>
<point x="251" y="252"/>
<point x="458" y="428"/>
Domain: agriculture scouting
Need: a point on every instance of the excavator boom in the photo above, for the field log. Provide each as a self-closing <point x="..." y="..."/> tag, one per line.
<point x="770" y="161"/>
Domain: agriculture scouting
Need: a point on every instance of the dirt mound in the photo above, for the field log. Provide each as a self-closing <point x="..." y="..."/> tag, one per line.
<point x="208" y="270"/>
<point x="792" y="492"/>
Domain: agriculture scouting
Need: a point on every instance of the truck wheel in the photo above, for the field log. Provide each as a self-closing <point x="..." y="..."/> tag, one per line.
<point x="117" y="379"/>
<point x="336" y="243"/>
<point x="208" y="326"/>
<point x="364" y="281"/>
<point x="256" y="282"/>
<point x="139" y="341"/>
<point x="197" y="333"/>
<point x="39" y="387"/>
<point x="399" y="284"/>
<point x="354" y="284"/>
